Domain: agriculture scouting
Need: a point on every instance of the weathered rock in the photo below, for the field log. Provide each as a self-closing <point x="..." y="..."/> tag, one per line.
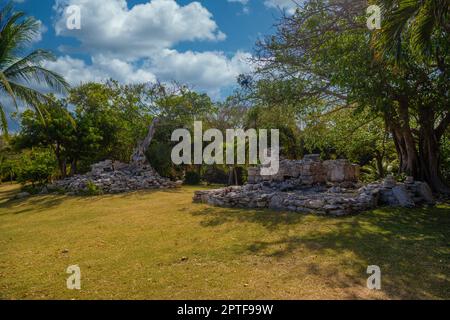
<point x="424" y="191"/>
<point x="23" y="195"/>
<point x="409" y="180"/>
<point x="303" y="186"/>
<point x="403" y="197"/>
<point x="389" y="182"/>
<point x="114" y="177"/>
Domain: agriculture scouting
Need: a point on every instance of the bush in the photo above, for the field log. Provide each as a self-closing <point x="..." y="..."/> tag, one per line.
<point x="192" y="178"/>
<point x="215" y="175"/>
<point x="36" y="167"/>
<point x="8" y="170"/>
<point x="92" y="189"/>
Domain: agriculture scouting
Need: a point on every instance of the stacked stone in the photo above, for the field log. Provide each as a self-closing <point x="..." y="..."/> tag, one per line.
<point x="341" y="171"/>
<point x="312" y="171"/>
<point x="309" y="171"/>
<point x="114" y="177"/>
<point x="258" y="196"/>
<point x="408" y="194"/>
<point x="312" y="186"/>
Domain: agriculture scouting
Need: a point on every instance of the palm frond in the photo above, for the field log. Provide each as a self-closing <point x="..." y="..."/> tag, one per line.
<point x="422" y="30"/>
<point x="5" y="83"/>
<point x="397" y="15"/>
<point x="34" y="58"/>
<point x="3" y="121"/>
<point x="15" y="35"/>
<point x="41" y="75"/>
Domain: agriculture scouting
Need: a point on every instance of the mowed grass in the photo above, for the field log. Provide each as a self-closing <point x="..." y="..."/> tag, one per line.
<point x="159" y="245"/>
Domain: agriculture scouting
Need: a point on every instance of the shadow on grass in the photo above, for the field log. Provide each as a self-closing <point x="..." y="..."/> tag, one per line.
<point x="40" y="203"/>
<point x="34" y="204"/>
<point x="270" y="219"/>
<point x="411" y="246"/>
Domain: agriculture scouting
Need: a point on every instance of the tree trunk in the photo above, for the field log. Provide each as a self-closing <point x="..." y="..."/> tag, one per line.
<point x="61" y="162"/>
<point x="139" y="157"/>
<point x="379" y="163"/>
<point x="73" y="167"/>
<point x="232" y="176"/>
<point x="412" y="160"/>
<point x="429" y="152"/>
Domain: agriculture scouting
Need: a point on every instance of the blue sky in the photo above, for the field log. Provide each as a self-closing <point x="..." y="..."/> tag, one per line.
<point x="204" y="44"/>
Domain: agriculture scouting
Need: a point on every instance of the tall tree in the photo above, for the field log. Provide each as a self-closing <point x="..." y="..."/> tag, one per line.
<point x="19" y="73"/>
<point x="323" y="57"/>
<point x="423" y="19"/>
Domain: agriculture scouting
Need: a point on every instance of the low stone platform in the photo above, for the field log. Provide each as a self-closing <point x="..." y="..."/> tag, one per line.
<point x="322" y="190"/>
<point x="115" y="177"/>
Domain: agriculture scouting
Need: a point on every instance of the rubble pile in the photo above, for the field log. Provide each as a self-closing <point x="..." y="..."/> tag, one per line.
<point x="114" y="177"/>
<point x="314" y="186"/>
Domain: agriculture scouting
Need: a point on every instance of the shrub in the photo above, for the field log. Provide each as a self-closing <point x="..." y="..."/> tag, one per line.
<point x="215" y="175"/>
<point x="192" y="178"/>
<point x="36" y="167"/>
<point x="8" y="170"/>
<point x="92" y="189"/>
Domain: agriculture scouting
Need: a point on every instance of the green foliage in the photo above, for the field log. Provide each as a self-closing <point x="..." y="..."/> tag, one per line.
<point x="424" y="20"/>
<point x="321" y="61"/>
<point x="446" y="157"/>
<point x="19" y="75"/>
<point x="36" y="167"/>
<point x="192" y="178"/>
<point x="92" y="189"/>
<point x="8" y="161"/>
<point x="215" y="175"/>
<point x="159" y="155"/>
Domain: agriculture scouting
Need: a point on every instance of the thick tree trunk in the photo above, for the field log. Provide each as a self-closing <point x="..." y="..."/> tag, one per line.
<point x="429" y="152"/>
<point x="412" y="161"/>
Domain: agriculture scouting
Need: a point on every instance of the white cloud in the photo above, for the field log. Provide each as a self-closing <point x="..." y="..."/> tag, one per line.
<point x="110" y="27"/>
<point x="288" y="5"/>
<point x="42" y="29"/>
<point x="205" y="71"/>
<point x="208" y="71"/>
<point x="77" y="71"/>
<point x="244" y="2"/>
<point x="134" y="45"/>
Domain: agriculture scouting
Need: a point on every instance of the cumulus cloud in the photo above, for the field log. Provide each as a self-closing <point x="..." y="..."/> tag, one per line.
<point x="110" y="27"/>
<point x="288" y="5"/>
<point x="42" y="29"/>
<point x="135" y="45"/>
<point x="205" y="71"/>
<point x="102" y="68"/>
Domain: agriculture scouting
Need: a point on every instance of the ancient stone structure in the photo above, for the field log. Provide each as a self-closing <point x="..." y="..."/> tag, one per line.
<point x="312" y="186"/>
<point x="115" y="177"/>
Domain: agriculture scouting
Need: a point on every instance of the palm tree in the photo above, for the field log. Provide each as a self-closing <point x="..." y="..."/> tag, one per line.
<point x="420" y="18"/>
<point x="19" y="74"/>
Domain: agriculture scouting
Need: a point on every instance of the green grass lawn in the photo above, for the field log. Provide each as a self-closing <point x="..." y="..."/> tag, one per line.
<point x="159" y="245"/>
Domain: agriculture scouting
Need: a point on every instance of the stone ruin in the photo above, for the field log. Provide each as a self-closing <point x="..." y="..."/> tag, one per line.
<point x="314" y="186"/>
<point x="115" y="177"/>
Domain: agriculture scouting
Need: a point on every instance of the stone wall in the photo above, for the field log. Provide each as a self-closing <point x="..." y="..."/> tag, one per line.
<point x="310" y="171"/>
<point x="313" y="186"/>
